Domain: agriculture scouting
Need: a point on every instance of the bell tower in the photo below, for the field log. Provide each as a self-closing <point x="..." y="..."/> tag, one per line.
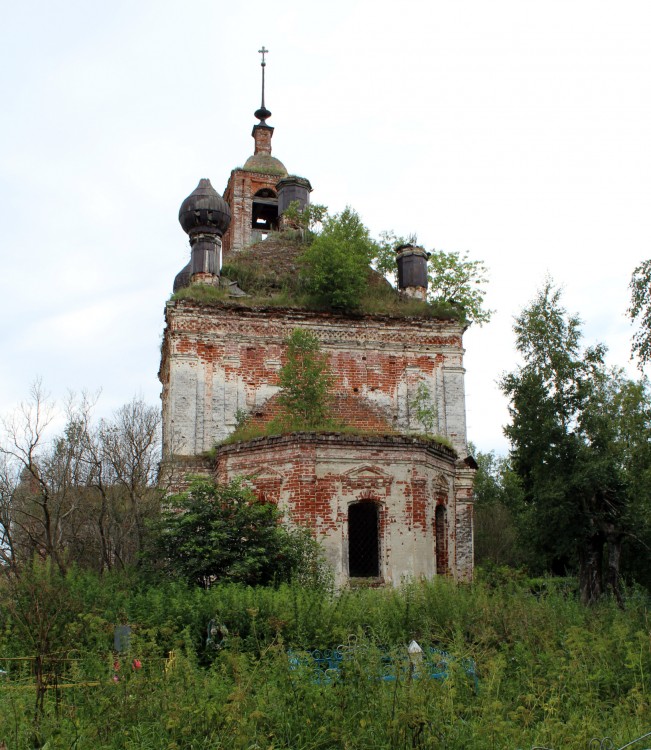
<point x="252" y="191"/>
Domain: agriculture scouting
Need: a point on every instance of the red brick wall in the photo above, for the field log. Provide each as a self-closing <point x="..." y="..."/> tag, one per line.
<point x="221" y="359"/>
<point x="241" y="188"/>
<point x="345" y="409"/>
<point x="377" y="362"/>
<point x="314" y="478"/>
<point x="262" y="138"/>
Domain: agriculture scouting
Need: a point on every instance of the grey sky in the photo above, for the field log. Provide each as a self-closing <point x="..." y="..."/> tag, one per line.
<point x="518" y="131"/>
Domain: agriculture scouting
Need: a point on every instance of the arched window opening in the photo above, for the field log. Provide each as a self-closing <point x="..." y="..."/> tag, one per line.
<point x="363" y="540"/>
<point x="441" y="534"/>
<point x="264" y="215"/>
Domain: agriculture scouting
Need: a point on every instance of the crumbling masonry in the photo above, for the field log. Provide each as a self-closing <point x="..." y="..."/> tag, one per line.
<point x="387" y="505"/>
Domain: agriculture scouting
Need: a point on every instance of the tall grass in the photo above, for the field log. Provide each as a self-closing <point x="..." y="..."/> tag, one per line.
<point x="551" y="672"/>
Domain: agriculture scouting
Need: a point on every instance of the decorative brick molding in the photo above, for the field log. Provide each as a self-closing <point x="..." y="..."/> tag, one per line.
<point x="220" y="361"/>
<point x="315" y="477"/>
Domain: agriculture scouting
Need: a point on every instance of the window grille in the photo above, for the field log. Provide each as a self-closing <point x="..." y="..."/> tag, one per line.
<point x="363" y="540"/>
<point x="441" y="534"/>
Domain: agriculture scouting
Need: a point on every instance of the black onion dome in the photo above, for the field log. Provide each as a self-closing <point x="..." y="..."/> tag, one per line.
<point x="204" y="210"/>
<point x="182" y="278"/>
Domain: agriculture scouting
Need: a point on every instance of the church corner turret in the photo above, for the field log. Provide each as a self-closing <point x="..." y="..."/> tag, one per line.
<point x="412" y="271"/>
<point x="204" y="215"/>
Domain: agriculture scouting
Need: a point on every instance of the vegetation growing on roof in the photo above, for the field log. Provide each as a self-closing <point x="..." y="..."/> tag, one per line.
<point x="336" y="264"/>
<point x="453" y="279"/>
<point x="252" y="430"/>
<point x="202" y="293"/>
<point x="266" y="164"/>
<point x="331" y="263"/>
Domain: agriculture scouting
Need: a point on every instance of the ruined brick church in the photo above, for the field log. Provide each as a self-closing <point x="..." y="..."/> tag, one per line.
<point x="386" y="503"/>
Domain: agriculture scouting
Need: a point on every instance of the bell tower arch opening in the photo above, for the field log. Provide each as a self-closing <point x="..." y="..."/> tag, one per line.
<point x="264" y="213"/>
<point x="364" y="540"/>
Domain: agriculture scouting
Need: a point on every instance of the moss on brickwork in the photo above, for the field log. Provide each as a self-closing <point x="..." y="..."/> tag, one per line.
<point x="376" y="303"/>
<point x="255" y="430"/>
<point x="265" y="164"/>
<point x="271" y="429"/>
<point x="271" y="274"/>
<point x="202" y="293"/>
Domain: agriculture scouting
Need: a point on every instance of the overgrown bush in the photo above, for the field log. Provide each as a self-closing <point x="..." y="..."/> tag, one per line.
<point x="337" y="262"/>
<point x="305" y="382"/>
<point x="222" y="532"/>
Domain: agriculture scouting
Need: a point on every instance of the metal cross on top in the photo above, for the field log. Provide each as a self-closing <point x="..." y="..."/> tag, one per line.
<point x="263" y="52"/>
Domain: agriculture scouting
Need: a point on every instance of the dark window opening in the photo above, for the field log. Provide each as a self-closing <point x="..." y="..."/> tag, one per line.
<point x="363" y="540"/>
<point x="441" y="533"/>
<point x="265" y="210"/>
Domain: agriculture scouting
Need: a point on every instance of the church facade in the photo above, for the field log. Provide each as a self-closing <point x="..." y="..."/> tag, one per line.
<point x="386" y="503"/>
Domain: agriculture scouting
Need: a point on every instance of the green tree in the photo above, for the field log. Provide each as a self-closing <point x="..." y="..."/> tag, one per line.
<point x="306" y="219"/>
<point x="453" y="279"/>
<point x="627" y="423"/>
<point x="41" y="604"/>
<point x="498" y="501"/>
<point x="424" y="409"/>
<point x="570" y="446"/>
<point x="640" y="311"/>
<point x="385" y="255"/>
<point x="305" y="383"/>
<point x="80" y="496"/>
<point x="221" y="532"/>
<point x="457" y="280"/>
<point x="337" y="262"/>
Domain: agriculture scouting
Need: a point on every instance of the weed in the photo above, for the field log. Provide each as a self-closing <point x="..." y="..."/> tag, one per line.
<point x="550" y="671"/>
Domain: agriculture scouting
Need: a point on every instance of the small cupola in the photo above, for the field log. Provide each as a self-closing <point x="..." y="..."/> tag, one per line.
<point x="293" y="188"/>
<point x="412" y="271"/>
<point x="205" y="216"/>
<point x="204" y="211"/>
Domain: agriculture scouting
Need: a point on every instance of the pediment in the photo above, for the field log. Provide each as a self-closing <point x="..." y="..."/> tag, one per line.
<point x="367" y="477"/>
<point x="367" y="472"/>
<point x="441" y="483"/>
<point x="265" y="472"/>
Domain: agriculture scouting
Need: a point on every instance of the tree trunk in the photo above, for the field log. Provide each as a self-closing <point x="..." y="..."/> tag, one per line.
<point x="105" y="563"/>
<point x="614" y="556"/>
<point x="591" y="569"/>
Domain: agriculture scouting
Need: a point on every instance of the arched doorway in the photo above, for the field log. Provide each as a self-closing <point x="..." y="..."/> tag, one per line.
<point x="363" y="540"/>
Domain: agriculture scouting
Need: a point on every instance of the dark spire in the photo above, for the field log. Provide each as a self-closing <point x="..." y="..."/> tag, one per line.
<point x="263" y="113"/>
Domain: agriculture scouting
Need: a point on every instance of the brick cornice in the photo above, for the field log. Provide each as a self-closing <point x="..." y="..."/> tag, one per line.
<point x="327" y="439"/>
